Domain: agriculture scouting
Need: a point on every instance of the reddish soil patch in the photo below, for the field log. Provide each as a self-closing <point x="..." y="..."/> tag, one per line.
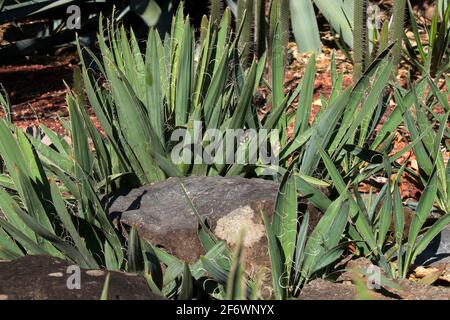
<point x="36" y="89"/>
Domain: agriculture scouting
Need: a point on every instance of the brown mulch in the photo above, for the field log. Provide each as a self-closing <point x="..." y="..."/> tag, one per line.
<point x="36" y="89"/>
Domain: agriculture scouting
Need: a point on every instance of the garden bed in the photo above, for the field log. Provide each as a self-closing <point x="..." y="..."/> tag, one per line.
<point x="357" y="170"/>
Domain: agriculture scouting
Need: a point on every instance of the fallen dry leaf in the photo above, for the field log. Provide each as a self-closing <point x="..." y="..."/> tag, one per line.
<point x="429" y="275"/>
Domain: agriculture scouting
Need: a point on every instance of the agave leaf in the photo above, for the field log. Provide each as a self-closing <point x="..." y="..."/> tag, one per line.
<point x="357" y="94"/>
<point x="300" y="246"/>
<point x="11" y="152"/>
<point x="8" y="248"/>
<point x="111" y="262"/>
<point x="423" y="210"/>
<point x="369" y="105"/>
<point x="278" y="75"/>
<point x="322" y="133"/>
<point x="139" y="134"/>
<point x="324" y="236"/>
<point x="9" y="208"/>
<point x="48" y="234"/>
<point x="152" y="264"/>
<point x="338" y="12"/>
<point x="330" y="256"/>
<point x="431" y="233"/>
<point x="314" y="195"/>
<point x="30" y="245"/>
<point x="215" y="90"/>
<point x="187" y="287"/>
<point x="105" y="290"/>
<point x="214" y="270"/>
<point x="386" y="210"/>
<point x="361" y="220"/>
<point x="277" y="261"/>
<point x="222" y="37"/>
<point x="184" y="80"/>
<point x="48" y="154"/>
<point x="305" y="101"/>
<point x="296" y="144"/>
<point x="135" y="258"/>
<point x="239" y="116"/>
<point x="399" y="224"/>
<point x="155" y="101"/>
<point x="304" y="25"/>
<point x="236" y="284"/>
<point x="63" y="214"/>
<point x="203" y="61"/>
<point x="284" y="222"/>
<point x="367" y="155"/>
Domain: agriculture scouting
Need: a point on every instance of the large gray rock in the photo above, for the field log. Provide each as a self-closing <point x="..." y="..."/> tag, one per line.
<point x="162" y="214"/>
<point x="437" y="252"/>
<point x="46" y="278"/>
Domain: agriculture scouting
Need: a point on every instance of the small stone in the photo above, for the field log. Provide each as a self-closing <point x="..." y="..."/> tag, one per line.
<point x="56" y="274"/>
<point x="95" y="273"/>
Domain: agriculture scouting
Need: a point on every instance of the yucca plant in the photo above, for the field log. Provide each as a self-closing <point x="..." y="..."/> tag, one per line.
<point x="296" y="257"/>
<point x="46" y="212"/>
<point x="38" y="218"/>
<point x="385" y="213"/>
<point x="228" y="273"/>
<point x="335" y="143"/>
<point x="399" y="238"/>
<point x="355" y="153"/>
<point x="125" y="71"/>
<point x="50" y="194"/>
<point x="433" y="57"/>
<point x="145" y="98"/>
<point x="432" y="145"/>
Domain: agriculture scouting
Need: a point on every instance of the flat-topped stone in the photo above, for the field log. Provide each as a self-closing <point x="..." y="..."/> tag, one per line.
<point x="48" y="278"/>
